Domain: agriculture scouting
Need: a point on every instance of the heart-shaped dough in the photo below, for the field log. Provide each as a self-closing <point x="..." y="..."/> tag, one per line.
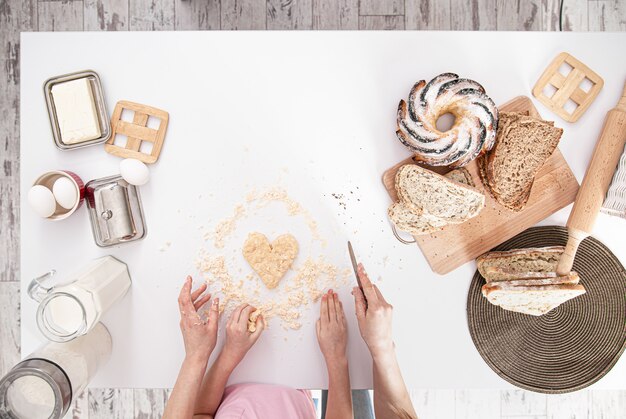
<point x="270" y="260"/>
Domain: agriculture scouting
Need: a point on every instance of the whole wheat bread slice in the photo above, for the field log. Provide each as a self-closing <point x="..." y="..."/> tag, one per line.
<point x="531" y="263"/>
<point x="522" y="146"/>
<point x="432" y="194"/>
<point x="571" y="278"/>
<point x="536" y="301"/>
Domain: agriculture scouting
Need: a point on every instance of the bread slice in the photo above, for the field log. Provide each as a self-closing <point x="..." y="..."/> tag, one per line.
<point x="461" y="175"/>
<point x="432" y="194"/>
<point x="413" y="220"/>
<point x="404" y="218"/>
<point x="531" y="263"/>
<point x="571" y="278"/>
<point x="522" y="146"/>
<point x="536" y="300"/>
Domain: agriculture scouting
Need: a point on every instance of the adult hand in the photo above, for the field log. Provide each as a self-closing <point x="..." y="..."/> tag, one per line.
<point x="239" y="339"/>
<point x="332" y="330"/>
<point x="200" y="336"/>
<point x="374" y="317"/>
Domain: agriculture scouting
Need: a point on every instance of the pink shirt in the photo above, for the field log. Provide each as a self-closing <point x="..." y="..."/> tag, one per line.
<point x="265" y="401"/>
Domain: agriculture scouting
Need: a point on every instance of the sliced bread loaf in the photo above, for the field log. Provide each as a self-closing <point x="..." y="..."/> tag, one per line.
<point x="536" y="301"/>
<point x="432" y="194"/>
<point x="522" y="146"/>
<point x="537" y="262"/>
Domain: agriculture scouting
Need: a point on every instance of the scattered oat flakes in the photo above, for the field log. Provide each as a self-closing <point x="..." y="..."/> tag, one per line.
<point x="225" y="227"/>
<point x="294" y="294"/>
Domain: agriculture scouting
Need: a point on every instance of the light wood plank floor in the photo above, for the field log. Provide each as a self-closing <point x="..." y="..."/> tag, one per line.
<point x="122" y="15"/>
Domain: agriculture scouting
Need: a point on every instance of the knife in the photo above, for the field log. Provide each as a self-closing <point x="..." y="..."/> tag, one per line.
<point x="356" y="271"/>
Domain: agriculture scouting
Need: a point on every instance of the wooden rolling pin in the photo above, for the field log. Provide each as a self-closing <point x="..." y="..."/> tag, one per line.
<point x="596" y="182"/>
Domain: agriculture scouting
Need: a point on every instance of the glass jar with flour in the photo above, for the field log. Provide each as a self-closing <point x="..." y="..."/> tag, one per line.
<point x="73" y="308"/>
<point x="45" y="383"/>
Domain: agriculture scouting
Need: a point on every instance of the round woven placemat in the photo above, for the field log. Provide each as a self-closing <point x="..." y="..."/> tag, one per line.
<point x="572" y="346"/>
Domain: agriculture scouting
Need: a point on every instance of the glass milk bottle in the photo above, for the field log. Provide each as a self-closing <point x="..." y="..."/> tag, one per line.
<point x="73" y="308"/>
<point x="45" y="383"/>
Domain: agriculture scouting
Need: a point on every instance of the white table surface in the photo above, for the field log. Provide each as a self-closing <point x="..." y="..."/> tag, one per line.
<point x="245" y="106"/>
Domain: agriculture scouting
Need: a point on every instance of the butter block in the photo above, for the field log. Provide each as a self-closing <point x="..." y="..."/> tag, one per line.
<point x="76" y="111"/>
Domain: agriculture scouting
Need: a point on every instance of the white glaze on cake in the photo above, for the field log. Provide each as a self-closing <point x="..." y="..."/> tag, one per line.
<point x="474" y="129"/>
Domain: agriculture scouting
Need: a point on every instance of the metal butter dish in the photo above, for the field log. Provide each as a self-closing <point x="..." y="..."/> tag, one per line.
<point x="97" y="97"/>
<point x="115" y="211"/>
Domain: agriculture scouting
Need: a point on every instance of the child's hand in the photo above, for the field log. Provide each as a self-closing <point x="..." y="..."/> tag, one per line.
<point x="238" y="339"/>
<point x="332" y="330"/>
<point x="199" y="336"/>
<point x="375" y="317"/>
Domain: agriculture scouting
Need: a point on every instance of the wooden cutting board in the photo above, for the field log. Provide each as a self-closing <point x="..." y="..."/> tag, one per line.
<point x="555" y="187"/>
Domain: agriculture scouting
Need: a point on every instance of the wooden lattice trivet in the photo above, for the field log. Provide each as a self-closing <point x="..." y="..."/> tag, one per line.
<point x="137" y="131"/>
<point x="568" y="87"/>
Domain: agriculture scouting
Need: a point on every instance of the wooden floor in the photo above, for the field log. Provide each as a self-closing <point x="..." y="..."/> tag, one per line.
<point x="122" y="15"/>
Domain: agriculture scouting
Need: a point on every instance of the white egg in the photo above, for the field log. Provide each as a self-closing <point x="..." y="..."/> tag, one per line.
<point x="65" y="192"/>
<point x="42" y="201"/>
<point x="134" y="172"/>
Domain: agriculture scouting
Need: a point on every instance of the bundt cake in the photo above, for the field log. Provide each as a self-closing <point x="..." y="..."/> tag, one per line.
<point x="474" y="129"/>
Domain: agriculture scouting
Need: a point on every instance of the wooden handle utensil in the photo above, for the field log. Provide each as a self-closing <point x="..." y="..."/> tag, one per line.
<point x="596" y="182"/>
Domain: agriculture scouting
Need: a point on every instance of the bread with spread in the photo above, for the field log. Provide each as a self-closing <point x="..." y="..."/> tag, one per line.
<point x="570" y="278"/>
<point x="525" y="280"/>
<point x="534" y="300"/>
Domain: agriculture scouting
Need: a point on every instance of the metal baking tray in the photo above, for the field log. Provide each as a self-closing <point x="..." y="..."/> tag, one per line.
<point x="98" y="95"/>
